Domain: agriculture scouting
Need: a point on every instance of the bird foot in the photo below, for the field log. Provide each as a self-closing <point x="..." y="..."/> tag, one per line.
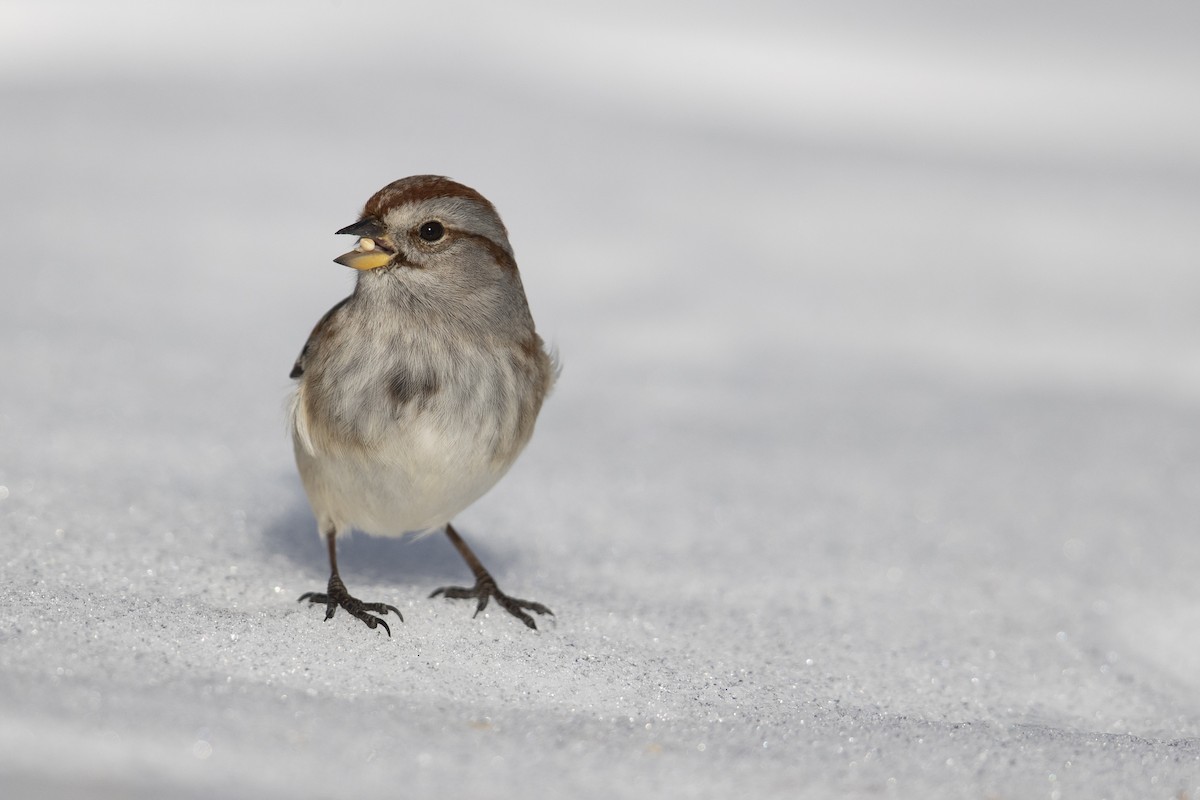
<point x="485" y="589"/>
<point x="336" y="595"/>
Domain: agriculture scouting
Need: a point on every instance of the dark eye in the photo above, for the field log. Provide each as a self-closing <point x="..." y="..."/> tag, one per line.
<point x="432" y="231"/>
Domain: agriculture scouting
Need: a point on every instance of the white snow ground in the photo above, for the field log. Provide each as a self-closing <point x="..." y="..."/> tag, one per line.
<point x="874" y="469"/>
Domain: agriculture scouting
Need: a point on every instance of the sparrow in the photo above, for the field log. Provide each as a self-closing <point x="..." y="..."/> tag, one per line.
<point x="415" y="394"/>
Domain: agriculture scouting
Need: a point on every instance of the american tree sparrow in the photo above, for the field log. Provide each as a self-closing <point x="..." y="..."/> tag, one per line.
<point x="416" y="393"/>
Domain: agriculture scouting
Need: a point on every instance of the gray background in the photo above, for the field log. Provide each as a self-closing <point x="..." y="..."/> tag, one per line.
<point x="874" y="465"/>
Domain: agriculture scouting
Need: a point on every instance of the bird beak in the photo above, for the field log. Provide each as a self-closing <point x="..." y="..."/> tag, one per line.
<point x="371" y="251"/>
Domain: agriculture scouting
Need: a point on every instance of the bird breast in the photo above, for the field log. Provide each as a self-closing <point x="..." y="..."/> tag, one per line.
<point x="409" y="441"/>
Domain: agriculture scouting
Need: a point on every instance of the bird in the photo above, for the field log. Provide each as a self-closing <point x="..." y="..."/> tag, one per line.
<point x="416" y="393"/>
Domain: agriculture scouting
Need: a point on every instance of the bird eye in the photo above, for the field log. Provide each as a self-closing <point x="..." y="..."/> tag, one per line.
<point x="432" y="231"/>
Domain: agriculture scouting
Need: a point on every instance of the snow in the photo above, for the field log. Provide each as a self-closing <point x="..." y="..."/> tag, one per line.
<point x="873" y="469"/>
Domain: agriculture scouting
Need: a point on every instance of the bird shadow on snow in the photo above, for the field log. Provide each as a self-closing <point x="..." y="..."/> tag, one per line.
<point x="414" y="560"/>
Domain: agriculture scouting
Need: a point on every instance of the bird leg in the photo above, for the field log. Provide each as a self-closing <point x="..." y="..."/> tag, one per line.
<point x="337" y="595"/>
<point x="485" y="586"/>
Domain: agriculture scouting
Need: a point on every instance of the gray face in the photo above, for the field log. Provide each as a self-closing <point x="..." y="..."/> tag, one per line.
<point x="431" y="243"/>
<point x="430" y="233"/>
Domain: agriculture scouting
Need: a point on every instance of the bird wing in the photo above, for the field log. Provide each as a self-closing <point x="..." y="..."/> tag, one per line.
<point x="317" y="331"/>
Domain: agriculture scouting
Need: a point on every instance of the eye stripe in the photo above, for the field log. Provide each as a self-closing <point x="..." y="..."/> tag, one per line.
<point x="502" y="256"/>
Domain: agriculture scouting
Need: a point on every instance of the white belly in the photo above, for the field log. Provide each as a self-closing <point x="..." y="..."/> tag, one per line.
<point x="416" y="479"/>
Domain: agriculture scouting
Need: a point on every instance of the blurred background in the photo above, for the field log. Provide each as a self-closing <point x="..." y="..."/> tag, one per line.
<point x="1002" y="189"/>
<point x="878" y="321"/>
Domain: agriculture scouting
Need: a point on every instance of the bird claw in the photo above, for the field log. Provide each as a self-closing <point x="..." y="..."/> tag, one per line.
<point x="484" y="590"/>
<point x="336" y="595"/>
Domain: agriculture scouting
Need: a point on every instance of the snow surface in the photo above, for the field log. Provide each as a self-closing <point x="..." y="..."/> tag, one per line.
<point x="874" y="468"/>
